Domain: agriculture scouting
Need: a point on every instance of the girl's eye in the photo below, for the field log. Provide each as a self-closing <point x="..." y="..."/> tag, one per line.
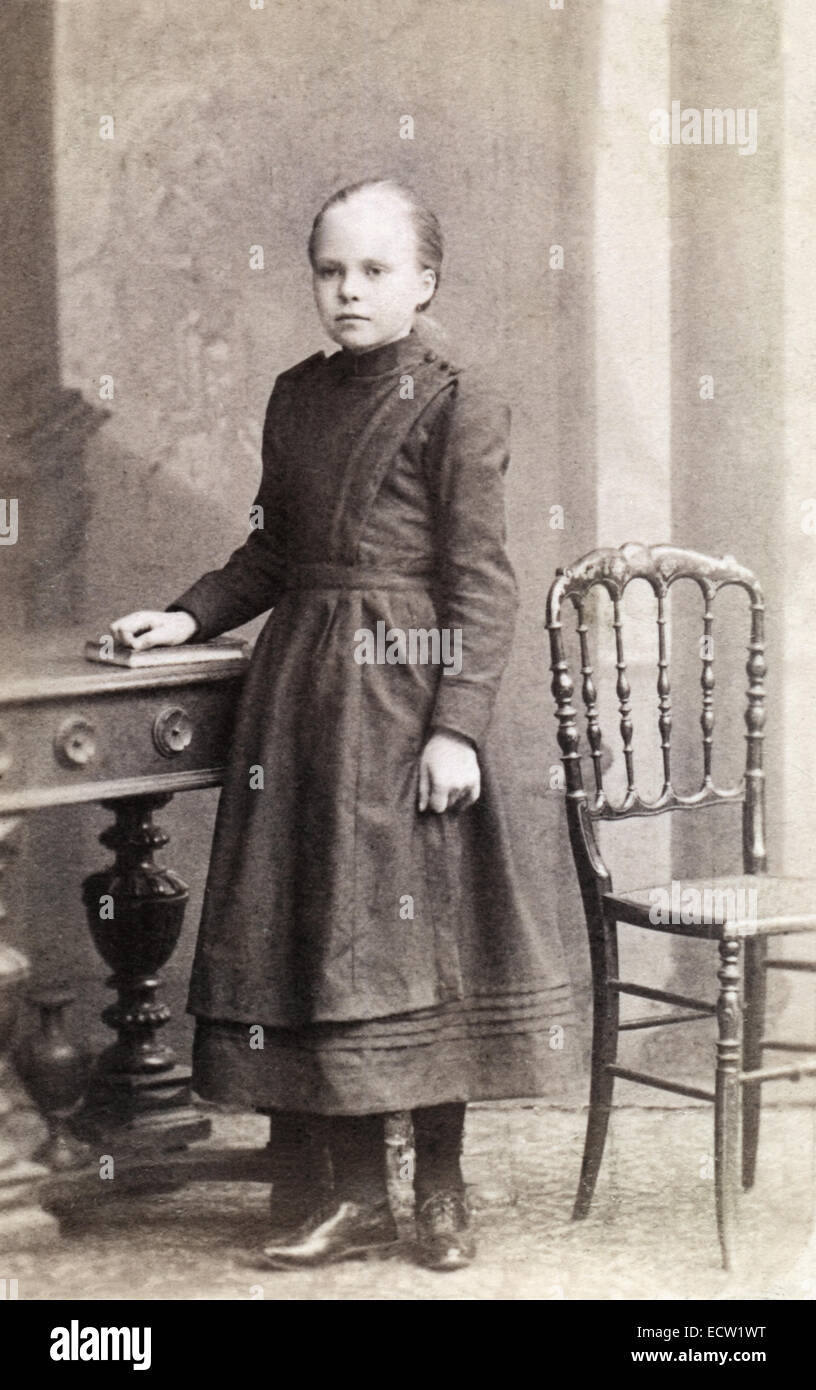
<point x="374" y="270"/>
<point x="326" y="271"/>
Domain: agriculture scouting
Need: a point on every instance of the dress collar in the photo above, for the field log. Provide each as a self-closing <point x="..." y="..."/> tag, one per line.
<point x="380" y="361"/>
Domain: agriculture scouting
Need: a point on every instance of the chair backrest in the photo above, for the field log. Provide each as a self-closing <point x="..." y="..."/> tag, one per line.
<point x="661" y="566"/>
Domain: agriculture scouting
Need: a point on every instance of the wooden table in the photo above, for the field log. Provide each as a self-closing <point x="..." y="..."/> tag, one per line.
<point x="71" y="732"/>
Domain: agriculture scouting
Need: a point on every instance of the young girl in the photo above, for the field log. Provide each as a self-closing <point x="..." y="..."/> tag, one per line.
<point x="362" y="903"/>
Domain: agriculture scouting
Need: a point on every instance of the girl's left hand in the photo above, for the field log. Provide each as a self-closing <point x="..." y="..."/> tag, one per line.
<point x="448" y="773"/>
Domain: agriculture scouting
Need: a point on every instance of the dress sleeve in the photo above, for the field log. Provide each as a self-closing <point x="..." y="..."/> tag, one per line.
<point x="253" y="578"/>
<point x="477" y="586"/>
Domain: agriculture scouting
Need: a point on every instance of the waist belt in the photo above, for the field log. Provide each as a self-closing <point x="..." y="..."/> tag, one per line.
<point x="324" y="575"/>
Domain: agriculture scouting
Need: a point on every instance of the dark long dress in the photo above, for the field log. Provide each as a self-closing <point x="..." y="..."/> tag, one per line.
<point x="390" y="956"/>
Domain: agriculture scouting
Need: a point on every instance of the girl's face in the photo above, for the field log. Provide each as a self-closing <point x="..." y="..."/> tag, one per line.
<point x="366" y="275"/>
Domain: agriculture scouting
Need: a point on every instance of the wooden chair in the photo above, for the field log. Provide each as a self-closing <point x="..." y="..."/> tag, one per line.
<point x="780" y="905"/>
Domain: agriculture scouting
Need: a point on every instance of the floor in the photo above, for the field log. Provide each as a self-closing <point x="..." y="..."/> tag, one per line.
<point x="650" y="1235"/>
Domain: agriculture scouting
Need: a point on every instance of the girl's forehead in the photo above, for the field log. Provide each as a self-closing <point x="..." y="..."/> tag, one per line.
<point x="365" y="223"/>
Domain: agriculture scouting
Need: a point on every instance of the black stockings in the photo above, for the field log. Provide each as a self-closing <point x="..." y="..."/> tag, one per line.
<point x="356" y="1144"/>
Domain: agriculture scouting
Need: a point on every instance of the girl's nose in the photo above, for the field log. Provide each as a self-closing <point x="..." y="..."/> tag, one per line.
<point x="348" y="290"/>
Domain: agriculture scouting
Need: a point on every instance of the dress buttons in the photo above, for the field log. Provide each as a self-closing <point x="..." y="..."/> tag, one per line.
<point x="443" y="366"/>
<point x="430" y="356"/>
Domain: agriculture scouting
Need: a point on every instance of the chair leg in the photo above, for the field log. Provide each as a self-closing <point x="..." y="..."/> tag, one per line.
<point x="753" y="1030"/>
<point x="728" y="1099"/>
<point x="605" y="1015"/>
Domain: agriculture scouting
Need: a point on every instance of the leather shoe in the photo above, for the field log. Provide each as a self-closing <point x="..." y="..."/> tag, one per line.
<point x="344" y="1231"/>
<point x="444" y="1238"/>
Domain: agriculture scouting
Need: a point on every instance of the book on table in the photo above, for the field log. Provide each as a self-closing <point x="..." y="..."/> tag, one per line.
<point x="112" y="653"/>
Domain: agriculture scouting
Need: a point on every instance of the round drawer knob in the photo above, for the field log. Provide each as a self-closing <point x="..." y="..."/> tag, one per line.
<point x="75" y="742"/>
<point x="172" y="731"/>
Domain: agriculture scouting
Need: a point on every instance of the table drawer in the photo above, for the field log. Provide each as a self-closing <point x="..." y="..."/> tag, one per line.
<point x="88" y="747"/>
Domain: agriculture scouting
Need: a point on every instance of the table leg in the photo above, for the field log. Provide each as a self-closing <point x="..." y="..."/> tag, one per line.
<point x="139" y="1097"/>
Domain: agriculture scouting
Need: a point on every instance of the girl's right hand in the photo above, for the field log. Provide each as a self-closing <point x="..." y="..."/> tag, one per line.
<point x="154" y="629"/>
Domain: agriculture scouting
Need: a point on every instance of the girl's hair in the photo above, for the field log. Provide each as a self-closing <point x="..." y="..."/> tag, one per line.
<point x="430" y="246"/>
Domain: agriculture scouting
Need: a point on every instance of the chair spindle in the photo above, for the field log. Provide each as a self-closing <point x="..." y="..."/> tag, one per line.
<point x="707" y="683"/>
<point x="754" y="839"/>
<point x="568" y="738"/>
<point x="590" y="699"/>
<point x="664" y="719"/>
<point x="623" y="691"/>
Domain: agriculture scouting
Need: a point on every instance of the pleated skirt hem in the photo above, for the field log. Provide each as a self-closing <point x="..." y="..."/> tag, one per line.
<point x="454" y="1053"/>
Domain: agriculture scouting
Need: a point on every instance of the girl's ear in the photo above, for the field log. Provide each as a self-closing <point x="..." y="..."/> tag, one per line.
<point x="428" y="279"/>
